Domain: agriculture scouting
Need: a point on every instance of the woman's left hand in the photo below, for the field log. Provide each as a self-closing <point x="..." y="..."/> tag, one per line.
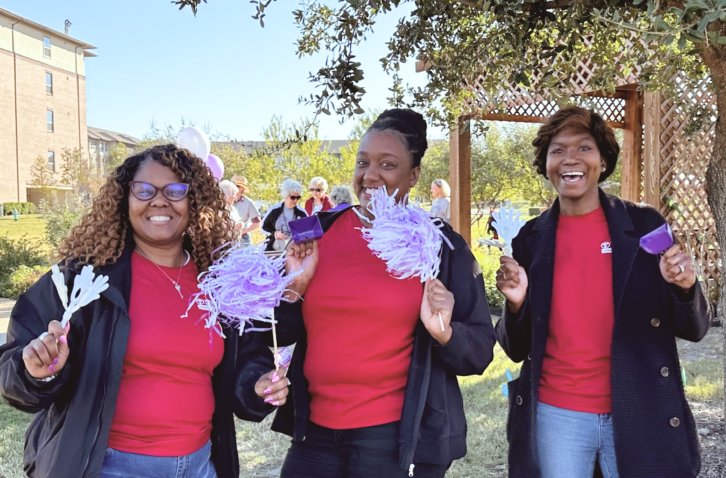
<point x="677" y="268"/>
<point x="437" y="306"/>
<point x="272" y="387"/>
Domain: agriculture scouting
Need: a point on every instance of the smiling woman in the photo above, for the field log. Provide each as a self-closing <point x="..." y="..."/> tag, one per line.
<point x="147" y="390"/>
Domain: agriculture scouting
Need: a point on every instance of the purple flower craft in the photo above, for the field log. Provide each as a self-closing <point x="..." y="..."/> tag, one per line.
<point x="404" y="237"/>
<point x="658" y="241"/>
<point x="243" y="286"/>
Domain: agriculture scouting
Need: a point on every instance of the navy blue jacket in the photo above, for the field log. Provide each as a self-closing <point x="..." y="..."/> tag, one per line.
<point x="433" y="426"/>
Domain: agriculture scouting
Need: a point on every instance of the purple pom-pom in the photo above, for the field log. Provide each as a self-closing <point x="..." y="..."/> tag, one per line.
<point x="243" y="285"/>
<point x="404" y="237"/>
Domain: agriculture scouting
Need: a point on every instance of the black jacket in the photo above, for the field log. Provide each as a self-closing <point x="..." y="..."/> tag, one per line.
<point x="655" y="434"/>
<point x="268" y="223"/>
<point x="73" y="413"/>
<point x="433" y="426"/>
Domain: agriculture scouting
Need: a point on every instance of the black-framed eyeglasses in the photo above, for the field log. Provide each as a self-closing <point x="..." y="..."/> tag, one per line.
<point x="295" y="198"/>
<point x="315" y="190"/>
<point x="146" y="192"/>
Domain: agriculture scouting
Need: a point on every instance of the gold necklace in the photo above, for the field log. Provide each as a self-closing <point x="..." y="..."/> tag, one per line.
<point x="174" y="282"/>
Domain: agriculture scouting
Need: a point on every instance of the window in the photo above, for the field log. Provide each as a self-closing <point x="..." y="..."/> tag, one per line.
<point x="92" y="145"/>
<point x="51" y="160"/>
<point x="49" y="120"/>
<point x="46" y="47"/>
<point x="49" y="83"/>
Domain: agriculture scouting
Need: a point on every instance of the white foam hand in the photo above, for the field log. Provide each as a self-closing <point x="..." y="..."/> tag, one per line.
<point x="507" y="222"/>
<point x="60" y="284"/>
<point x="86" y="288"/>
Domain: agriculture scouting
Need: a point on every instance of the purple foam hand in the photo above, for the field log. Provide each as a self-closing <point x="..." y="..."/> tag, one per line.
<point x="658" y="241"/>
<point x="306" y="229"/>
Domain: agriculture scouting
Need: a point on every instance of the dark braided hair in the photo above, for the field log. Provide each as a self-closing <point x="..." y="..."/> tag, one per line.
<point x="409" y="125"/>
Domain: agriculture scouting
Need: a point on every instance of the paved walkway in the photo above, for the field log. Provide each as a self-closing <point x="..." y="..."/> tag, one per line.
<point x="6" y="305"/>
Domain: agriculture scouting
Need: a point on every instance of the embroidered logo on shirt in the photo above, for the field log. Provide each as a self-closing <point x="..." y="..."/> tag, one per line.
<point x="605" y="248"/>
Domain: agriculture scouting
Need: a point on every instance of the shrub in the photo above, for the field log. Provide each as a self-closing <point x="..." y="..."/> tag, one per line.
<point x="16" y="253"/>
<point x="21" y="280"/>
<point x="22" y="207"/>
<point x="489" y="263"/>
<point x="58" y="222"/>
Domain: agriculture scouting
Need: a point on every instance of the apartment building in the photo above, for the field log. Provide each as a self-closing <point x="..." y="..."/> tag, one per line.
<point x="42" y="100"/>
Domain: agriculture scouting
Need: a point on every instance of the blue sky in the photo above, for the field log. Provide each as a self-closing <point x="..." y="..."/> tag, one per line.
<point x="218" y="68"/>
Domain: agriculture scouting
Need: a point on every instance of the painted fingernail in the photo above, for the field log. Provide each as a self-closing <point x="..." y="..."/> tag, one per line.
<point x="63" y="339"/>
<point x="50" y="367"/>
<point x="275" y="378"/>
<point x="55" y="361"/>
<point x="269" y="399"/>
<point x="268" y="390"/>
<point x="68" y="327"/>
<point x="276" y="403"/>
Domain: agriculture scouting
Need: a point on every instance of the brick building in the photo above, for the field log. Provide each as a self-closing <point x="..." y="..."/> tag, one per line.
<point x="42" y="100"/>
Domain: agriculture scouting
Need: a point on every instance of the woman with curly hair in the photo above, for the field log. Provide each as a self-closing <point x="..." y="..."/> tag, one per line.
<point x="594" y="319"/>
<point x="130" y="388"/>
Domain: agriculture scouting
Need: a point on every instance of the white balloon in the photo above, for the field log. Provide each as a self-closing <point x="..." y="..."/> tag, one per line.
<point x="196" y="141"/>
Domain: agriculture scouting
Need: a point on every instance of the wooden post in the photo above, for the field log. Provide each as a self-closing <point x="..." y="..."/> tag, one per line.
<point x="651" y="157"/>
<point x="632" y="147"/>
<point x="460" y="178"/>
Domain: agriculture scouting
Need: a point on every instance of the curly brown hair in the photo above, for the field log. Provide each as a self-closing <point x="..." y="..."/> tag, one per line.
<point x="102" y="234"/>
<point x="578" y="120"/>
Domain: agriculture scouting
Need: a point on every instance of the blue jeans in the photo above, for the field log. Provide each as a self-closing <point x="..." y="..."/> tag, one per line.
<point x="569" y="442"/>
<point x="119" y="464"/>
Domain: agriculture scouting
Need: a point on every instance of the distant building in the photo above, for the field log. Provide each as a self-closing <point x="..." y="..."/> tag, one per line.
<point x="101" y="142"/>
<point x="42" y="101"/>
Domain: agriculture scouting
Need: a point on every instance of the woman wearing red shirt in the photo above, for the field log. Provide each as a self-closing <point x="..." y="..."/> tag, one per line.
<point x="130" y="388"/>
<point x="594" y="318"/>
<point x="374" y="391"/>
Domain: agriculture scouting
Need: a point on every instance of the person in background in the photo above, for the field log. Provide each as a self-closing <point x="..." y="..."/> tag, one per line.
<point x="441" y="207"/>
<point x="594" y="318"/>
<point x="230" y="195"/>
<point x="340" y="198"/>
<point x="276" y="222"/>
<point x="129" y="387"/>
<point x="249" y="215"/>
<point x="319" y="202"/>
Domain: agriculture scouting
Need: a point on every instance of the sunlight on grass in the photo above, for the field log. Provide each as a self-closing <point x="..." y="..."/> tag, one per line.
<point x="704" y="380"/>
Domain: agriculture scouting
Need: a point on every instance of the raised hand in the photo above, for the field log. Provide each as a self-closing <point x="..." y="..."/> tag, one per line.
<point x="512" y="282"/>
<point x="48" y="354"/>
<point x="677" y="268"/>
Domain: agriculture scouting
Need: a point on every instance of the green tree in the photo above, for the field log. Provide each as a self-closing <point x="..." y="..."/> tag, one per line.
<point x="116" y="156"/>
<point x="41" y="175"/>
<point x="81" y="175"/>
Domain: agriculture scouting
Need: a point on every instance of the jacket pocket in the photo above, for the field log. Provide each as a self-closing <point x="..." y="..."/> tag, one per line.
<point x="432" y="421"/>
<point x="513" y="395"/>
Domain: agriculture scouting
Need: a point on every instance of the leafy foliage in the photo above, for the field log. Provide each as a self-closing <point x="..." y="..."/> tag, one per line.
<point x="17" y="253"/>
<point x="59" y="220"/>
<point x="20" y="281"/>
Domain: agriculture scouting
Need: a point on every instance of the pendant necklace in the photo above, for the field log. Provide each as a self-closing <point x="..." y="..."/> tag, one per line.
<point x="174" y="282"/>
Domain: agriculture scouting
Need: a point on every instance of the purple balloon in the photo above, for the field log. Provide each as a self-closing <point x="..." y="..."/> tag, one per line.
<point x="216" y="166"/>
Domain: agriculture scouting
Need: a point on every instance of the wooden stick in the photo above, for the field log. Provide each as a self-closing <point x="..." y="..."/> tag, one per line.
<point x="441" y="321"/>
<point x="274" y="342"/>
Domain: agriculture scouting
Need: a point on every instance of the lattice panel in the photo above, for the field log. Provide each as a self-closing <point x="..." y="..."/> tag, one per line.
<point x="683" y="164"/>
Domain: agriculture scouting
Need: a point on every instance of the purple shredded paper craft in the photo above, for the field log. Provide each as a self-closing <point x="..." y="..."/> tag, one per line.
<point x="658" y="241"/>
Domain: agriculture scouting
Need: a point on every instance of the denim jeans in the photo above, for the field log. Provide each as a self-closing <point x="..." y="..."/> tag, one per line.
<point x="119" y="464"/>
<point x="368" y="452"/>
<point x="569" y="442"/>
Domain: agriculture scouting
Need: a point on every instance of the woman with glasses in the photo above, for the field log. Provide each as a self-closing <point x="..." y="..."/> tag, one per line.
<point x="319" y="201"/>
<point x="276" y="223"/>
<point x="135" y="385"/>
<point x="441" y="207"/>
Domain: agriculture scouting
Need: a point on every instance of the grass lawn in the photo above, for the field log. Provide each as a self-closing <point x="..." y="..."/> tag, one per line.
<point x="262" y="451"/>
<point x="31" y="225"/>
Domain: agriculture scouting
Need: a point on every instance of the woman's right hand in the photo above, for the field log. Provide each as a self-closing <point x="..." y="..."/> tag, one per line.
<point x="512" y="283"/>
<point x="301" y="256"/>
<point x="47" y="356"/>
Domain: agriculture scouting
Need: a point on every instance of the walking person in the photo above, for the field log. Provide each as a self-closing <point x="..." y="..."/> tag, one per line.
<point x="247" y="211"/>
<point x="375" y="390"/>
<point x="319" y="201"/>
<point x="130" y="388"/>
<point x="441" y="193"/>
<point x="594" y="319"/>
<point x="276" y="224"/>
<point x="340" y="198"/>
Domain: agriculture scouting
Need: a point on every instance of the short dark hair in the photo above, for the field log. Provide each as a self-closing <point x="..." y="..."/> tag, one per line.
<point x="410" y="125"/>
<point x="580" y="120"/>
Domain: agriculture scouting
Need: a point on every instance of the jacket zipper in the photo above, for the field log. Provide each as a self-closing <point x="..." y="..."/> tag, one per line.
<point x="103" y="399"/>
<point x="410" y="470"/>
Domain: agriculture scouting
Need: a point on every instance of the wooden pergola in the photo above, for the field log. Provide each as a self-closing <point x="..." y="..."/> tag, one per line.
<point x="662" y="166"/>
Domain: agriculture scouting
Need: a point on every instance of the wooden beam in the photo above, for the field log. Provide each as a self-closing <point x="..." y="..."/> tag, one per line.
<point x="651" y="149"/>
<point x="632" y="147"/>
<point x="529" y="119"/>
<point x="460" y="178"/>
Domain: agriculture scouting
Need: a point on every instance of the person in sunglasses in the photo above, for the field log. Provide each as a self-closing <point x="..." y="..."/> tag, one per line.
<point x="319" y="200"/>
<point x="135" y="385"/>
<point x="276" y="224"/>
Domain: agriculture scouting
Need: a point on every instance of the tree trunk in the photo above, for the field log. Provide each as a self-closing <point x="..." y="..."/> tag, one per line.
<point x="714" y="57"/>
